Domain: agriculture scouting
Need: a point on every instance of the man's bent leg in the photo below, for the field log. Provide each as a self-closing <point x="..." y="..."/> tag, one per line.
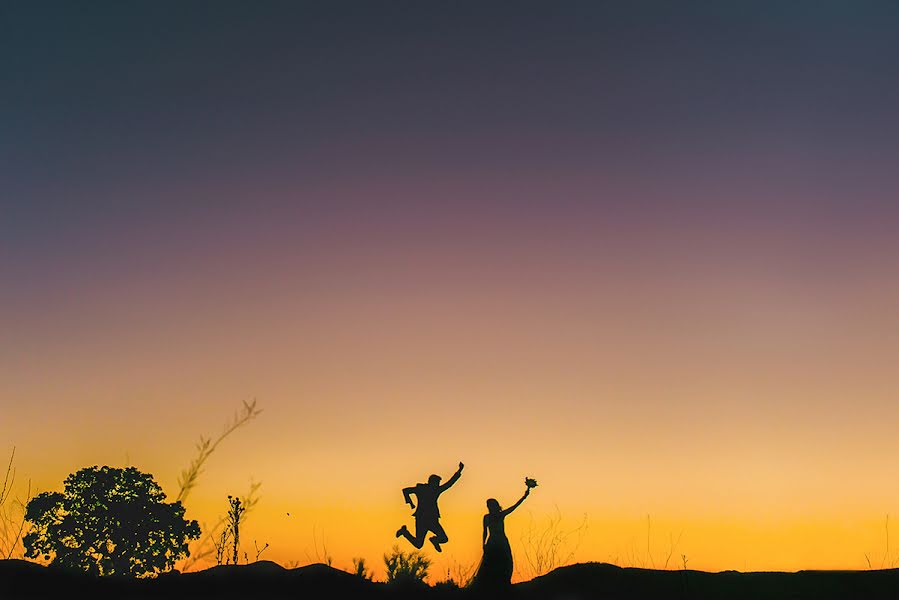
<point x="439" y="537"/>
<point x="420" y="531"/>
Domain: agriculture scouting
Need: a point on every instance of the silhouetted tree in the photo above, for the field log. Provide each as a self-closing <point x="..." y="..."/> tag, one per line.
<point x="109" y="521"/>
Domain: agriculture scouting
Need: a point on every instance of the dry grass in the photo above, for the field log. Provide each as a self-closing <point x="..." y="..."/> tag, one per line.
<point x="550" y="544"/>
<point x="12" y="512"/>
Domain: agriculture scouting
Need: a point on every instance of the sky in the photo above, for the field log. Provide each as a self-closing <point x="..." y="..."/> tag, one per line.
<point x="643" y="252"/>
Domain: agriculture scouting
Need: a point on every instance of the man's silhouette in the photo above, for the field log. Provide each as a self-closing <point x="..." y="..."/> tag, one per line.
<point x="427" y="515"/>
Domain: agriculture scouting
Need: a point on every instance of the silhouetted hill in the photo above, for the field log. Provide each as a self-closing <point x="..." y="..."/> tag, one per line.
<point x="266" y="580"/>
<point x="600" y="580"/>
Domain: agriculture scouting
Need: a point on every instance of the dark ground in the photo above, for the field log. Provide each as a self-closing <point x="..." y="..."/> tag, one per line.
<point x="267" y="580"/>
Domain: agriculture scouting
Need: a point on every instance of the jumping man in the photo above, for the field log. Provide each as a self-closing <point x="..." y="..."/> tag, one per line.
<point x="427" y="515"/>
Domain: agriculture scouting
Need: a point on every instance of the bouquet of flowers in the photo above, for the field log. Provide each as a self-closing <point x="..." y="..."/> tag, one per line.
<point x="531" y="483"/>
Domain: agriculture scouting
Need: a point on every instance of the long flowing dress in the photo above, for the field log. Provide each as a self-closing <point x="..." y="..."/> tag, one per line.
<point x="495" y="569"/>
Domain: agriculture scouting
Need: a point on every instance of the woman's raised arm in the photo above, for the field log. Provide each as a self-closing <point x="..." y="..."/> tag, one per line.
<point x="517" y="504"/>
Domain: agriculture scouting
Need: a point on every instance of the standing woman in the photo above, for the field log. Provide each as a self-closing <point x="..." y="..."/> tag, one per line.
<point x="495" y="569"/>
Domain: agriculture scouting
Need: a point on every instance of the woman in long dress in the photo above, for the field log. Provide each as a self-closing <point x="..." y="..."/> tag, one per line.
<point x="495" y="569"/>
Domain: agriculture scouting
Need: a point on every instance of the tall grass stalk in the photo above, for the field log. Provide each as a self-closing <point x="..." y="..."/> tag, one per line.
<point x="206" y="547"/>
<point x="12" y="511"/>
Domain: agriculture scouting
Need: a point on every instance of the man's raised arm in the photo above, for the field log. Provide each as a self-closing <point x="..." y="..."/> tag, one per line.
<point x="452" y="479"/>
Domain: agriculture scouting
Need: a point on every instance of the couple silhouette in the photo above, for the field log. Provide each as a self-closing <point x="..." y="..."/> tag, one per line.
<point x="495" y="569"/>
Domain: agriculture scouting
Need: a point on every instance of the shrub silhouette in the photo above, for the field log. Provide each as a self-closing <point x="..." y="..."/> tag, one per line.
<point x="406" y="567"/>
<point x="360" y="569"/>
<point x="109" y="521"/>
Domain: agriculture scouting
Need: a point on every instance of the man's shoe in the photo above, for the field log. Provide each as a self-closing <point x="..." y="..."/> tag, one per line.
<point x="401" y="531"/>
<point x="434" y="541"/>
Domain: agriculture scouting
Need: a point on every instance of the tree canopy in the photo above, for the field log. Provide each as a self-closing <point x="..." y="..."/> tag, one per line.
<point x="109" y="521"/>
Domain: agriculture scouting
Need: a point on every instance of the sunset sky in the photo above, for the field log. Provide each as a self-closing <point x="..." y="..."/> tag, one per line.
<point x="644" y="252"/>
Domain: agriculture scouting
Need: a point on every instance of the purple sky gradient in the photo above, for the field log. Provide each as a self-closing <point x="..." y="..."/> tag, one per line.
<point x="674" y="223"/>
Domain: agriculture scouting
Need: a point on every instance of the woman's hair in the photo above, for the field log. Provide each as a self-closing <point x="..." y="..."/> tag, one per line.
<point x="493" y="506"/>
